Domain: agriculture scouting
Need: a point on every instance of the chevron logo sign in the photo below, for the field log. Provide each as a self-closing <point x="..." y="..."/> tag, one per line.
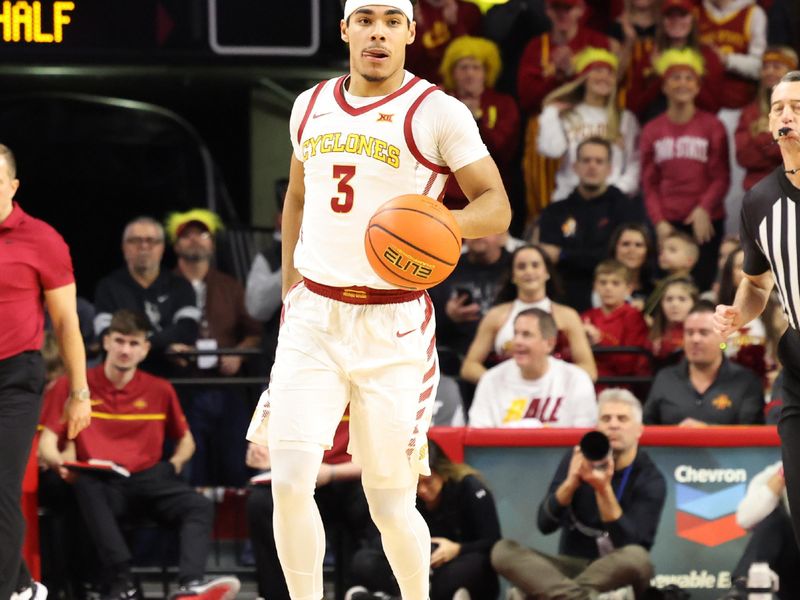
<point x="708" y="517"/>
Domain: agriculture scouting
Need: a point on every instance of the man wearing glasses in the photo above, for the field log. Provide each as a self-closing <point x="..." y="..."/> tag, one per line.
<point x="167" y="299"/>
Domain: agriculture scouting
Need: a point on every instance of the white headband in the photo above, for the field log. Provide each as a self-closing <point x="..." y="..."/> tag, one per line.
<point x="404" y="5"/>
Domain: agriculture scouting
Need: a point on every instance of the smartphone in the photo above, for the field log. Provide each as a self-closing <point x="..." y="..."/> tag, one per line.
<point x="465" y="292"/>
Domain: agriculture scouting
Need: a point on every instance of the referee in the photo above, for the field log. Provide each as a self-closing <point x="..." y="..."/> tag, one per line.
<point x="770" y="237"/>
<point x="35" y="272"/>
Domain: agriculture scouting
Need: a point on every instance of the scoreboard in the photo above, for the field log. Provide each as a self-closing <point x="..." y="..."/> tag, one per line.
<point x="156" y="30"/>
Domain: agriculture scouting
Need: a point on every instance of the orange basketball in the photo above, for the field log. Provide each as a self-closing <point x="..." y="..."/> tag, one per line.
<point x="413" y="242"/>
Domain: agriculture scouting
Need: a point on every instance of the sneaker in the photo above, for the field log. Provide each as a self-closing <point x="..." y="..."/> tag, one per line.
<point x="625" y="593"/>
<point x="219" y="588"/>
<point x="124" y="594"/>
<point x="738" y="590"/>
<point x="122" y="589"/>
<point x="358" y="592"/>
<point x="515" y="594"/>
<point x="35" y="591"/>
<point x="462" y="594"/>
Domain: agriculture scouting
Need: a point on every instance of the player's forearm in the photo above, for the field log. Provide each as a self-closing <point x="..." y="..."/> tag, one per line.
<point x="751" y="299"/>
<point x="487" y="214"/>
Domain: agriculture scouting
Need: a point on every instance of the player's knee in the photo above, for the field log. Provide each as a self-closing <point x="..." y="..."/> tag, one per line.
<point x="389" y="516"/>
<point x="287" y="492"/>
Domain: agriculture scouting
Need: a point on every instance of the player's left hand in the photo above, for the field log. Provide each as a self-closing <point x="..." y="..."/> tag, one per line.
<point x="701" y="225"/>
<point x="446" y="551"/>
<point x="77" y="415"/>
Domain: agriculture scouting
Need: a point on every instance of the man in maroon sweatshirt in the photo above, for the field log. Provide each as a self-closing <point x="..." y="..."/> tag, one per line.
<point x="684" y="154"/>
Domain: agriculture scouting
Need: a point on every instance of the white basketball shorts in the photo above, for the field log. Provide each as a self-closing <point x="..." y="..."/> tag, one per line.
<point x="379" y="358"/>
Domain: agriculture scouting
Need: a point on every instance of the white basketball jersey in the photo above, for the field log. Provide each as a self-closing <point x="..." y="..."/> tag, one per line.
<point x="357" y="153"/>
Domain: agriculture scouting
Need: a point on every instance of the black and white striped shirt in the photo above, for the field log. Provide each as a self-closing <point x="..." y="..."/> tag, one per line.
<point x="769" y="236"/>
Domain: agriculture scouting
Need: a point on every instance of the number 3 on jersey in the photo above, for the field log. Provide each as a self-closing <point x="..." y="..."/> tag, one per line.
<point x="343" y="203"/>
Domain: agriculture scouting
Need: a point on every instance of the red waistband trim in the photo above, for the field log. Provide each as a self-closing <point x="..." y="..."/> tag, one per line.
<point x="362" y="295"/>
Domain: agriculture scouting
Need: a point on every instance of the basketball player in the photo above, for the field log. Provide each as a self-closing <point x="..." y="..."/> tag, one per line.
<point x="770" y="236"/>
<point x="35" y="272"/>
<point x="347" y="336"/>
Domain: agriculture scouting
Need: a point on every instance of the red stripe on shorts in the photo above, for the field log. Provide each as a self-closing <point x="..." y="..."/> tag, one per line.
<point x="428" y="313"/>
<point x="430" y="373"/>
<point x="431" y="348"/>
<point x="426" y="394"/>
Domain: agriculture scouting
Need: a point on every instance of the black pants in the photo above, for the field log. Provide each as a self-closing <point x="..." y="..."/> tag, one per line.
<point x="155" y="493"/>
<point x="340" y="503"/>
<point x="218" y="419"/>
<point x="471" y="571"/>
<point x="772" y="542"/>
<point x="61" y="526"/>
<point x="789" y="424"/>
<point x="21" y="385"/>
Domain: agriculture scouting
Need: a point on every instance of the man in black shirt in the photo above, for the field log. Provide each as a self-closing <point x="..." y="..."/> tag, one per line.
<point x="705" y="388"/>
<point x="167" y="299"/>
<point x="771" y="242"/>
<point x="467" y="295"/>
<point x="575" y="232"/>
<point x="607" y="512"/>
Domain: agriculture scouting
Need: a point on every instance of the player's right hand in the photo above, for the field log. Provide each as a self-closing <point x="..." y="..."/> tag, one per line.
<point x="727" y="319"/>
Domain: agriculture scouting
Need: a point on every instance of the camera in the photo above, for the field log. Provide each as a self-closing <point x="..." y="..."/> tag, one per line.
<point x="595" y="447"/>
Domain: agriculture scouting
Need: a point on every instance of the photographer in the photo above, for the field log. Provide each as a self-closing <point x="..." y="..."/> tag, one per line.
<point x="607" y="505"/>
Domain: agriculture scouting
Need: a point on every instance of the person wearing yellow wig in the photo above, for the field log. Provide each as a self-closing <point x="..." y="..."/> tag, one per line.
<point x="217" y="415"/>
<point x="685" y="170"/>
<point x="469" y="69"/>
<point x="587" y="107"/>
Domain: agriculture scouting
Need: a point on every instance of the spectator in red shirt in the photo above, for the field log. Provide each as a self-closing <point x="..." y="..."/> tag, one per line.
<point x="755" y="150"/>
<point x="616" y="323"/>
<point x="133" y="413"/>
<point x="438" y="23"/>
<point x="666" y="332"/>
<point x="469" y="70"/>
<point x="547" y="61"/>
<point x="684" y="155"/>
<point x="35" y="273"/>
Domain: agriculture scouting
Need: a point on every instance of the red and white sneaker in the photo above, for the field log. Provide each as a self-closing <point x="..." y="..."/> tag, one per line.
<point x="218" y="588"/>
